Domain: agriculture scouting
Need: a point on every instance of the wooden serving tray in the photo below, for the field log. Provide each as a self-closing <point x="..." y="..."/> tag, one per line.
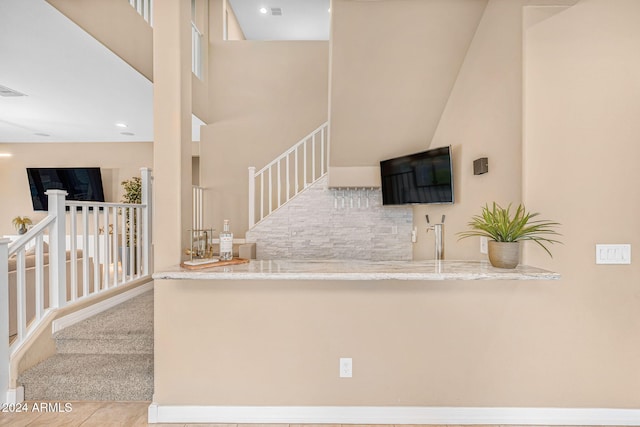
<point x="234" y="261"/>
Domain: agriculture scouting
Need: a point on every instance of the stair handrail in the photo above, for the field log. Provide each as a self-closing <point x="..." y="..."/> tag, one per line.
<point x="309" y="164"/>
<point x="130" y="226"/>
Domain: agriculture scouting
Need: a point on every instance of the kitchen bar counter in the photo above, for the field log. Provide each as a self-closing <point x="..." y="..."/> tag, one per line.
<point x="359" y="270"/>
<point x="269" y="335"/>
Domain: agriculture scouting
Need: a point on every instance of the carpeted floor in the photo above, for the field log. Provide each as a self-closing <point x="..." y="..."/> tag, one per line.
<point x="106" y="357"/>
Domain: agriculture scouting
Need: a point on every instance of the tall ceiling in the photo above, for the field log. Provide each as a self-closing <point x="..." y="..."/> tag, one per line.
<point x="299" y="19"/>
<point x="77" y="90"/>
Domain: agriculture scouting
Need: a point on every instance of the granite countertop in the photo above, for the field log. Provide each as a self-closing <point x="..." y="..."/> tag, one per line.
<point x="359" y="270"/>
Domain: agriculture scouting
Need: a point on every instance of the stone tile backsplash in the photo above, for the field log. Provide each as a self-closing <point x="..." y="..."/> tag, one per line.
<point x="323" y="223"/>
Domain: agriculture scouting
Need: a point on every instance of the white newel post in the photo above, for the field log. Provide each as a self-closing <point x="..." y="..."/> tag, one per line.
<point x="4" y="319"/>
<point x="252" y="196"/>
<point x="145" y="174"/>
<point x="57" y="250"/>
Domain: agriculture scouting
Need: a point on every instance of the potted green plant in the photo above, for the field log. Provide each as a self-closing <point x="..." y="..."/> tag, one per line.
<point x="132" y="194"/>
<point x="132" y="190"/>
<point x="21" y="223"/>
<point x="505" y="229"/>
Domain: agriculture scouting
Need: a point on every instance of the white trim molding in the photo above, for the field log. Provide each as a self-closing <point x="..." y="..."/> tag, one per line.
<point x="15" y="395"/>
<point x="391" y="415"/>
<point x="99" y="307"/>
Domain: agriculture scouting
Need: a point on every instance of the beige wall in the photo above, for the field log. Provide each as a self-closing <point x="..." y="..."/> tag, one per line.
<point x="265" y="96"/>
<point x="172" y="129"/>
<point x="482" y="118"/>
<point x="443" y="344"/>
<point x="223" y="19"/>
<point x="117" y="25"/>
<point x="582" y="103"/>
<point x="200" y="87"/>
<point x="571" y="343"/>
<point x="117" y="161"/>
<point x="234" y="31"/>
<point x="393" y="64"/>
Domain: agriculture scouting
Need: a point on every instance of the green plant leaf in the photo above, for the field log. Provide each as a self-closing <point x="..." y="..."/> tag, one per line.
<point x="503" y="225"/>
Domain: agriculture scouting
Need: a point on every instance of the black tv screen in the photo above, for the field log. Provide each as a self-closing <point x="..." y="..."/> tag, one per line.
<point x="425" y="177"/>
<point x="81" y="184"/>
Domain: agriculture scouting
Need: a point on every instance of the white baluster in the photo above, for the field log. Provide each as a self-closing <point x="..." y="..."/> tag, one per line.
<point x="279" y="185"/>
<point x="4" y="318"/>
<point x="304" y="159"/>
<point x="96" y="251"/>
<point x="138" y="240"/>
<point x="39" y="289"/>
<point x="270" y="190"/>
<point x="322" y="151"/>
<point x="295" y="162"/>
<point x="313" y="157"/>
<point x="21" y="297"/>
<point x="74" y="255"/>
<point x="107" y="253"/>
<point x="57" y="250"/>
<point x="85" y="250"/>
<point x="287" y="185"/>
<point x="147" y="205"/>
<point x="122" y="242"/>
<point x="262" y="195"/>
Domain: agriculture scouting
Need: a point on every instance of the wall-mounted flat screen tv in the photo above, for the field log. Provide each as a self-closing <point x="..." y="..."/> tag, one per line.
<point x="425" y="177"/>
<point x="81" y="184"/>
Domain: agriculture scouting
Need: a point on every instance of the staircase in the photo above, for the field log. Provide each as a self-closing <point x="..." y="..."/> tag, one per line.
<point x="106" y="357"/>
<point x="288" y="174"/>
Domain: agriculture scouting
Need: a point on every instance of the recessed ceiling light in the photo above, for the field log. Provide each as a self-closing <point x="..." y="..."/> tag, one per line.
<point x="121" y="125"/>
<point x="263" y="10"/>
<point x="127" y="133"/>
<point x="329" y="10"/>
<point x="5" y="154"/>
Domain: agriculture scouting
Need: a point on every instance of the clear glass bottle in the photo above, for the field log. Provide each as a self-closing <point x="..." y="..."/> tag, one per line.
<point x="226" y="242"/>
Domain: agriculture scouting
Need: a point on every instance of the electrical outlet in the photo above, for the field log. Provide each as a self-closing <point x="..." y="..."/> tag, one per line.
<point x="484" y="245"/>
<point x="346" y="367"/>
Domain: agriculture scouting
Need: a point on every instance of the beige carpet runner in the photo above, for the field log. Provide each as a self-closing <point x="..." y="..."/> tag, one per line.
<point x="106" y="357"/>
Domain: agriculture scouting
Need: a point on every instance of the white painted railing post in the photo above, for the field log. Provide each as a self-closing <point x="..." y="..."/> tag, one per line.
<point x="57" y="250"/>
<point x="147" y="192"/>
<point x="4" y="319"/>
<point x="252" y="196"/>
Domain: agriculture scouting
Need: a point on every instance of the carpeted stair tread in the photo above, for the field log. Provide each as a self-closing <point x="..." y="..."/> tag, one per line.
<point x="132" y="345"/>
<point x="115" y="377"/>
<point x="106" y="357"/>
<point x="112" y="323"/>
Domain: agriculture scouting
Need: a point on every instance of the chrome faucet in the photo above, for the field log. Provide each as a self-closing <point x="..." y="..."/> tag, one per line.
<point x="438" y="230"/>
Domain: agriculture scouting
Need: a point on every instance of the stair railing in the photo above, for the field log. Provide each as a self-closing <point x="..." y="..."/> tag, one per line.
<point x="288" y="174"/>
<point x="144" y="8"/>
<point x="107" y="245"/>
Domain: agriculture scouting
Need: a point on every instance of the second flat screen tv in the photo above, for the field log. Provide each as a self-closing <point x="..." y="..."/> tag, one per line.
<point x="419" y="178"/>
<point x="81" y="184"/>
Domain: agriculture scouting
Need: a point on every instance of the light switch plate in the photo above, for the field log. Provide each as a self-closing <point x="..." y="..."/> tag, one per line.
<point x="613" y="254"/>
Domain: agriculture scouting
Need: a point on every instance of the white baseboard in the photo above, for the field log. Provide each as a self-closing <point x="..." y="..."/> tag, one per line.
<point x="92" y="310"/>
<point x="391" y="415"/>
<point x="15" y="395"/>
